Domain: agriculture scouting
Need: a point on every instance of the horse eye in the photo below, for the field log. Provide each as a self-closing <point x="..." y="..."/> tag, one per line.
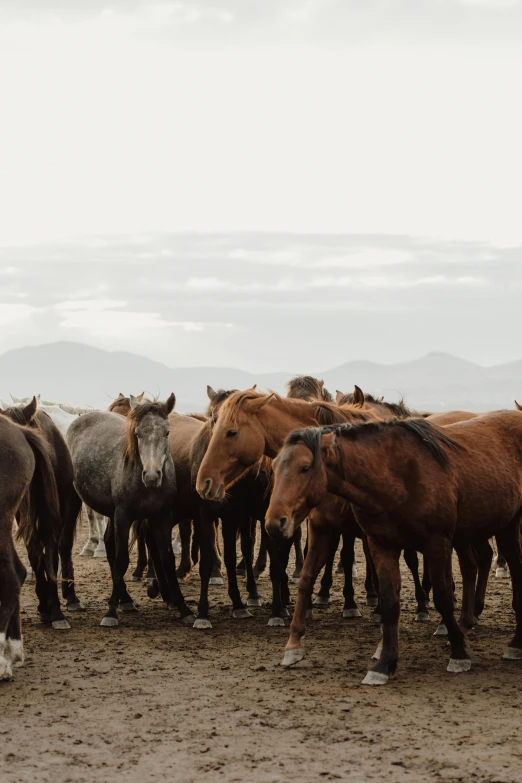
<point x="305" y="468"/>
<point x="231" y="433"/>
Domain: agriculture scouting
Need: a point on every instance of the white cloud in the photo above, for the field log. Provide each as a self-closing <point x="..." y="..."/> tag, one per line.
<point x="15" y="313"/>
<point x="89" y="305"/>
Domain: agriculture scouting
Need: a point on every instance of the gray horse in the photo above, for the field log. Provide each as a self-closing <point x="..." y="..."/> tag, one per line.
<point x="123" y="470"/>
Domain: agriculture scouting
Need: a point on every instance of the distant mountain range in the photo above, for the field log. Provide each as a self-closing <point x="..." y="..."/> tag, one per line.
<point x="80" y="374"/>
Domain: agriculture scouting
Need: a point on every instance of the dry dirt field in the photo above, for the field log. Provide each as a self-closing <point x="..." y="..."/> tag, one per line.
<point x="152" y="700"/>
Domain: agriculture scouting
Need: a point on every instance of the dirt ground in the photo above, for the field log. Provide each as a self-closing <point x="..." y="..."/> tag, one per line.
<point x="152" y="700"/>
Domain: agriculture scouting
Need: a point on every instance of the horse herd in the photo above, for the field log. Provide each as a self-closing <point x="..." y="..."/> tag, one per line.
<point x="356" y="467"/>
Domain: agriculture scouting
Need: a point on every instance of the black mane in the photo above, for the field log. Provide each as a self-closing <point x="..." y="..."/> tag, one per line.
<point x="399" y="409"/>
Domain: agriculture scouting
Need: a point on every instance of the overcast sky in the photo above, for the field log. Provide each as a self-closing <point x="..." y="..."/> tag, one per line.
<point x="395" y="123"/>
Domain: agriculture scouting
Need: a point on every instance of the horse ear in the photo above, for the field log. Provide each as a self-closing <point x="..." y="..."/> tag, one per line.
<point x="321" y="384"/>
<point x="518" y="407"/>
<point x="30" y="410"/>
<point x="358" y="396"/>
<point x="120" y="396"/>
<point x="338" y="396"/>
<point x="140" y="396"/>
<point x="255" y="405"/>
<point x="169" y="405"/>
<point x="381" y="399"/>
<point x="133" y="402"/>
<point x="328" y="441"/>
<point x="14" y="399"/>
<point x="210" y="393"/>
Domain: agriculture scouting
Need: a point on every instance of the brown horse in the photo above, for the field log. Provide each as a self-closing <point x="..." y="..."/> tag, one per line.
<point x="70" y="505"/>
<point x="306" y="387"/>
<point x="27" y="491"/>
<point x="412" y="484"/>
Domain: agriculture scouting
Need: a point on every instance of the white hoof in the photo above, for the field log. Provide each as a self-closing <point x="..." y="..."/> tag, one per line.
<point x="377" y="654"/>
<point x="60" y="625"/>
<point x="30" y="575"/>
<point x="512" y="654"/>
<point x="87" y="551"/>
<point x="109" y="622"/>
<point x="291" y="657"/>
<point x="355" y="573"/>
<point x="15" y="652"/>
<point x="351" y="613"/>
<point x="6" y="671"/>
<point x="457" y="665"/>
<point x="375" y="678"/>
<point x="502" y="573"/>
<point x="321" y="600"/>
<point x="441" y="630"/>
<point x="201" y="624"/>
<point x="176" y="547"/>
<point x="240" y="614"/>
<point x="295" y="580"/>
<point x="276" y="622"/>
<point x="422" y="617"/>
<point x="135" y="578"/>
<point x="216" y="580"/>
<point x="254" y="602"/>
<point x="376" y="618"/>
<point x="100" y="553"/>
<point x="189" y="619"/>
<point x="372" y="600"/>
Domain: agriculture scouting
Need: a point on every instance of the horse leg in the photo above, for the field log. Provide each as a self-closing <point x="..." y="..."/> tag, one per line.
<point x="438" y="555"/>
<point x="14" y="647"/>
<point x="207" y="541"/>
<point x="117" y="545"/>
<point x="386" y="561"/>
<point x="247" y="531"/>
<point x="101" y="522"/>
<point x="469" y="570"/>
<point x="159" y="541"/>
<point x="9" y="604"/>
<point x="65" y="545"/>
<point x="229" y="526"/>
<point x="501" y="571"/>
<point x="92" y="542"/>
<point x="323" y="596"/>
<point x="426" y="580"/>
<point x="412" y="561"/>
<point x="276" y="551"/>
<point x="509" y="543"/>
<point x="299" y="558"/>
<point x="319" y="547"/>
<point x="484" y="555"/>
<point x="185" y="564"/>
<point x="371" y="582"/>
<point x="138" y="572"/>
<point x="216" y="577"/>
<point x="262" y="557"/>
<point x="350" y="608"/>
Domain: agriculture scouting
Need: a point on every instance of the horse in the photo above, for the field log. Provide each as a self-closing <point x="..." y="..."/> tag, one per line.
<point x="124" y="470"/>
<point x="27" y="491"/>
<point x="70" y="506"/>
<point x="411" y="484"/>
<point x="252" y="425"/>
<point x="65" y="406"/>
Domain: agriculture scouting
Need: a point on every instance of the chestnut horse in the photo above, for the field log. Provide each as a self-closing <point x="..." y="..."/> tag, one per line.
<point x="27" y="491"/>
<point x="411" y="484"/>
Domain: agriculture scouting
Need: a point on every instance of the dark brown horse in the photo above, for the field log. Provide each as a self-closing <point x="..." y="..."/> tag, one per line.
<point x="411" y="484"/>
<point x="28" y="492"/>
<point x="70" y="505"/>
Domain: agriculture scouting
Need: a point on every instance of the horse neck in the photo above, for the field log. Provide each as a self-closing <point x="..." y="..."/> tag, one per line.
<point x="371" y="471"/>
<point x="278" y="418"/>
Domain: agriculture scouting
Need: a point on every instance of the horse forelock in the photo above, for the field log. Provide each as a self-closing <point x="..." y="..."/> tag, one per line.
<point x="132" y="420"/>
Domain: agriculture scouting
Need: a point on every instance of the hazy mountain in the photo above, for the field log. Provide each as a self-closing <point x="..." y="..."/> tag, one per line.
<point x="77" y="373"/>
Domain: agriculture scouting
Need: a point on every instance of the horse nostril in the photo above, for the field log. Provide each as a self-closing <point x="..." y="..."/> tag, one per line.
<point x="206" y="486"/>
<point x="282" y="522"/>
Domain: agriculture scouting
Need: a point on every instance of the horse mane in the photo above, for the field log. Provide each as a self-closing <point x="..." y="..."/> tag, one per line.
<point x="432" y="438"/>
<point x="399" y="409"/>
<point x="16" y="414"/>
<point x="306" y="387"/>
<point x="218" y="399"/>
<point x="135" y="415"/>
<point x="199" y="416"/>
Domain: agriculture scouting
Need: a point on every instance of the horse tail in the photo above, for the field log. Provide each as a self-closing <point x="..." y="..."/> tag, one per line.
<point x="138" y="528"/>
<point x="39" y="513"/>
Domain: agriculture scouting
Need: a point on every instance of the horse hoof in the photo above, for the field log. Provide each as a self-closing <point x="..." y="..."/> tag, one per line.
<point x="254" y="602"/>
<point x="201" y="624"/>
<point x="321" y="600"/>
<point x="153" y="590"/>
<point x="376" y="618"/>
<point x="285" y="612"/>
<point x="87" y="552"/>
<point x="100" y="554"/>
<point x="295" y="580"/>
<point x="512" y="654"/>
<point x="375" y="678"/>
<point x="130" y="606"/>
<point x="189" y="619"/>
<point x="135" y="578"/>
<point x="241" y="614"/>
<point x="457" y="665"/>
<point x="276" y="622"/>
<point x="422" y="617"/>
<point x="76" y="607"/>
<point x="216" y="580"/>
<point x="377" y="654"/>
<point x="30" y="575"/>
<point x="348" y="613"/>
<point x="60" y="625"/>
<point x="6" y="671"/>
<point x="109" y="622"/>
<point x="441" y="630"/>
<point x="372" y="600"/>
<point x="240" y="572"/>
<point x="150" y="580"/>
<point x="502" y="573"/>
<point x="15" y="652"/>
<point x="291" y="657"/>
<point x="309" y="614"/>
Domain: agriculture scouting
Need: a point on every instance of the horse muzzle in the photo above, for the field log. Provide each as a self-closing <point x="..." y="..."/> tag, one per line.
<point x="280" y="527"/>
<point x="152" y="478"/>
<point x="209" y="490"/>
